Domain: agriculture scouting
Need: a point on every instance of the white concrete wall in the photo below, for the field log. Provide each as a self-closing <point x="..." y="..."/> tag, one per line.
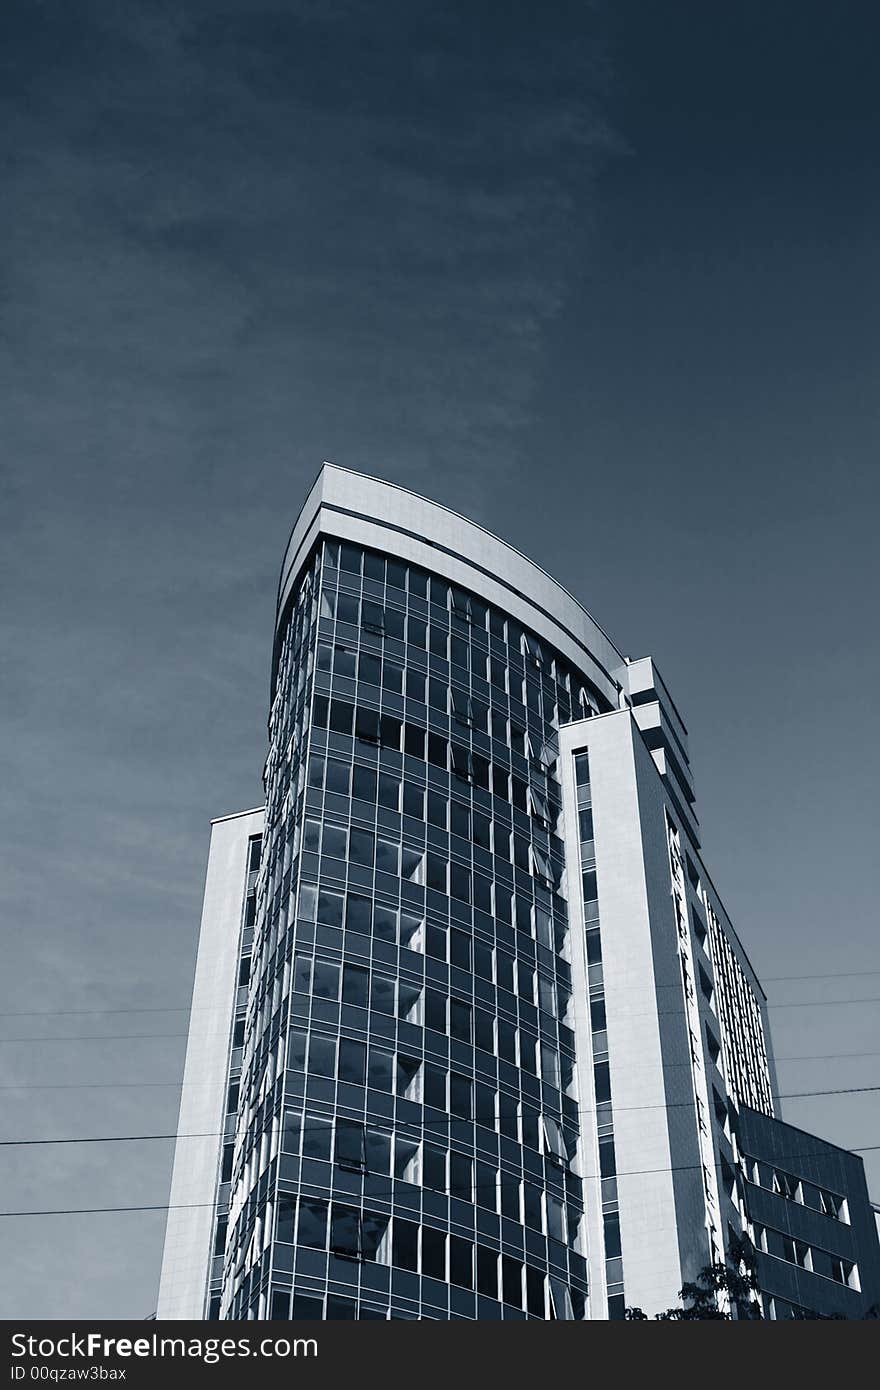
<point x="367" y="511"/>
<point x="187" y="1254"/>
<point x="648" y="1221"/>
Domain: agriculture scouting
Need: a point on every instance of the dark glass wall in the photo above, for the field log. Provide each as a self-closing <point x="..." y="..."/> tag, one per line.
<point x="407" y="1105"/>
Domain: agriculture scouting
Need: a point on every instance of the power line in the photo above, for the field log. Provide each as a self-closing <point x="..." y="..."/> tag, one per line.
<point x="102" y="1037"/>
<point x="71" y="1013"/>
<point x="474" y="1187"/>
<point x="822" y="975"/>
<point x="116" y="1037"/>
<point x="172" y="1085"/>
<point x="215" y="1133"/>
<point x="824" y="1003"/>
<point x="189" y="1009"/>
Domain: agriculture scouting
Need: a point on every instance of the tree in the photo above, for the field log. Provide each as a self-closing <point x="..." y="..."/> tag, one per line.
<point x="735" y="1283"/>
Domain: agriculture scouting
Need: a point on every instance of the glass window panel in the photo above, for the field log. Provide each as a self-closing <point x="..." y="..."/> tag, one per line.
<point x="366" y="723"/>
<point x="535" y="1297"/>
<point x="362" y="848"/>
<point x="334" y="841"/>
<point x="555" y="1218"/>
<point x="389" y="792"/>
<point x="460" y="1095"/>
<point x="460" y="882"/>
<point x="487" y="1271"/>
<point x="435" y="1086"/>
<point x="374" y="566"/>
<point x="417" y="633"/>
<point x="405" y="1244"/>
<point x="380" y="1070"/>
<point x="409" y="1002"/>
<point x="433" y="1253"/>
<point x="484" y="1030"/>
<point x="291" y="1132"/>
<point x="511" y="1280"/>
<point x="460" y="1020"/>
<point x="382" y="994"/>
<point x="415" y="688"/>
<point x="372" y="617"/>
<point x="296" y="1050"/>
<point x="363" y="786"/>
<point x="437" y="809"/>
<point x="350" y="1144"/>
<point x="408" y="1074"/>
<point x="345" y="1230"/>
<point x="325" y="980"/>
<point x="344" y="662"/>
<point x="286" y="1217"/>
<point x="483" y="960"/>
<point x="412" y="863"/>
<point x="312" y="1225"/>
<point x="377" y="1152"/>
<point x="414" y="741"/>
<point x="317" y="1137"/>
<point x="330" y="908"/>
<point x="302" y="974"/>
<point x="355" y="986"/>
<point x="435" y="1010"/>
<point x="461" y="1176"/>
<point x="385" y="923"/>
<point x="322" y="1056"/>
<point x="510" y="1202"/>
<point x="460" y="949"/>
<point x="358" y="913"/>
<point x="407" y="1159"/>
<point x="341" y="715"/>
<point x="347" y="609"/>
<point x="461" y="1262"/>
<point x="389" y="732"/>
<point x="387" y="857"/>
<point x="350" y="558"/>
<point x="352" y="1061"/>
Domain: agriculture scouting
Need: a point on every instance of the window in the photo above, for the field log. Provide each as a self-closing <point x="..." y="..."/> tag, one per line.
<point x="322" y="1056"/>
<point x="291" y="1131"/>
<point x="433" y="1253"/>
<point x="538" y="806"/>
<point x="511" y="1281"/>
<point x="366" y="724"/>
<point x="312" y="1225"/>
<point x="462" y="707"/>
<point x="352" y="1061"/>
<point x="355" y="982"/>
<point x="377" y="1152"/>
<point x="541" y="867"/>
<point x="317" y="1137"/>
<point x="325" y="980"/>
<point x="373" y="617"/>
<point x="345" y="1231"/>
<point x="405" y="1244"/>
<point x="284" y="1223"/>
<point x="350" y="1145"/>
<point x="487" y="1271"/>
<point x="461" y="1262"/>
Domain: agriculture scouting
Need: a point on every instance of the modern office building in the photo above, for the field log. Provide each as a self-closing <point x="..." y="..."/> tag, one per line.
<point x="472" y="1035"/>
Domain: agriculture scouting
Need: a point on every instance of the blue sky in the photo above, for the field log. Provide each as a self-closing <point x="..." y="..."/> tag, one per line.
<point x="601" y="276"/>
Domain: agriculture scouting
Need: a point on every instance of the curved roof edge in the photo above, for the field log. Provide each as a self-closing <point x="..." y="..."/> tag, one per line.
<point x="368" y="511"/>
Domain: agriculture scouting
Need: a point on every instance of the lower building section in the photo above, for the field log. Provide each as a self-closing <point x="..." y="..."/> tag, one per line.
<point x="811" y="1221"/>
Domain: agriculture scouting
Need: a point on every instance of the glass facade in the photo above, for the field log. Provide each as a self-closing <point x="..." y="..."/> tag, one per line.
<point x="406" y="1106"/>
